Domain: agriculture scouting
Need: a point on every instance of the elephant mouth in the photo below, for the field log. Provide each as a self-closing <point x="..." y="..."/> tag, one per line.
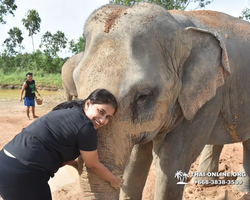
<point x="143" y="138"/>
<point x="146" y="137"/>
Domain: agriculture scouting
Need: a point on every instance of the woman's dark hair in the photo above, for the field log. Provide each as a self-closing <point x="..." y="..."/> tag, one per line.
<point x="69" y="104"/>
<point x="99" y="96"/>
<point x="29" y="73"/>
<point x="103" y="96"/>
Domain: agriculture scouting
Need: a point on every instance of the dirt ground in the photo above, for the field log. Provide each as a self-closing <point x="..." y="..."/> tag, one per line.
<point x="12" y="120"/>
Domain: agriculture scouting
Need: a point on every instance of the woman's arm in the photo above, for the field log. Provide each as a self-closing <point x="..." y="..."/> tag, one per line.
<point x="91" y="160"/>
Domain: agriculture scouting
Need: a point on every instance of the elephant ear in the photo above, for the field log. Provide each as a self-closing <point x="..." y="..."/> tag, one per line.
<point x="203" y="71"/>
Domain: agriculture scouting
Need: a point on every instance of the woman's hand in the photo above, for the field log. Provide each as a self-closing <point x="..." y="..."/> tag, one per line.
<point x="91" y="160"/>
<point x="117" y="182"/>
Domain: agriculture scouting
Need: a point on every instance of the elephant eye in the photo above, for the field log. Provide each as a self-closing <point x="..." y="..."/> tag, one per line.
<point x="143" y="96"/>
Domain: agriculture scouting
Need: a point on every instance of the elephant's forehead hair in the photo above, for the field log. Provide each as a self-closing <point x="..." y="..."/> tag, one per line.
<point x="221" y="22"/>
<point x="111" y="16"/>
<point x="99" y="76"/>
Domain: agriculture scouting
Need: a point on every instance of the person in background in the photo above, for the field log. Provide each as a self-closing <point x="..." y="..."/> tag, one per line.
<point x="35" y="154"/>
<point x="29" y="99"/>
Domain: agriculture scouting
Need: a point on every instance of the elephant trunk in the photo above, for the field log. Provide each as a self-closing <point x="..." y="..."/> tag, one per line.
<point x="114" y="154"/>
<point x="93" y="187"/>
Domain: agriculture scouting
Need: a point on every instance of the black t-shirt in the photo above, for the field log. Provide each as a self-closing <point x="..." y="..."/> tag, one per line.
<point x="53" y="139"/>
<point x="30" y="89"/>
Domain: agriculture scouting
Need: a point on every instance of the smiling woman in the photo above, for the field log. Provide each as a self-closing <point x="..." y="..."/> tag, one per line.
<point x="99" y="114"/>
<point x="99" y="107"/>
<point x="58" y="137"/>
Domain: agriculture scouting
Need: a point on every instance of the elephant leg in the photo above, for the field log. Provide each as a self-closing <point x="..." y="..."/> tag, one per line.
<point x="69" y="97"/>
<point x="136" y="172"/>
<point x="176" y="155"/>
<point x="209" y="161"/>
<point x="179" y="150"/>
<point x="243" y="179"/>
<point x="67" y="94"/>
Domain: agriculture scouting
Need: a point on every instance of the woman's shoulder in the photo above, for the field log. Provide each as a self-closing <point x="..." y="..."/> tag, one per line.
<point x="88" y="128"/>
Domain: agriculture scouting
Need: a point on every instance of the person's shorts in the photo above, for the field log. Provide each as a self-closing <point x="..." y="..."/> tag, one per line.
<point x="29" y="101"/>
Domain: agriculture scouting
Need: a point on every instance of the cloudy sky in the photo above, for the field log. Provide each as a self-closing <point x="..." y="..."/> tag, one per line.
<point x="69" y="16"/>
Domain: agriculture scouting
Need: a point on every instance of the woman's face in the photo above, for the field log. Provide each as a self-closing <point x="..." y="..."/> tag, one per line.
<point x="99" y="114"/>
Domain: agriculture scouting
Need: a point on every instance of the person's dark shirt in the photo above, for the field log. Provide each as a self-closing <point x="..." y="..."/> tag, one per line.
<point x="30" y="89"/>
<point x="53" y="139"/>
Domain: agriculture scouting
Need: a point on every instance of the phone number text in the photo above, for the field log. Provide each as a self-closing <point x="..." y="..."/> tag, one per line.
<point x="218" y="182"/>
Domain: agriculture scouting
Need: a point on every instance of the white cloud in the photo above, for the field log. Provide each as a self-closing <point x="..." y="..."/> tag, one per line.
<point x="233" y="8"/>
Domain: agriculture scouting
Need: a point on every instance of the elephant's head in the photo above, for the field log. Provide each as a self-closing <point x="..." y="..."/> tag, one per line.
<point x="159" y="71"/>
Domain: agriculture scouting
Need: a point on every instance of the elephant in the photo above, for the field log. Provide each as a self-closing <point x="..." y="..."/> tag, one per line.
<point x="181" y="80"/>
<point x="68" y="67"/>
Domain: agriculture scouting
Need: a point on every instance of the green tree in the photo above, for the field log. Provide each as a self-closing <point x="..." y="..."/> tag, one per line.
<point x="25" y="62"/>
<point x="168" y="4"/>
<point x="5" y="60"/>
<point x="78" y="46"/>
<point x="245" y="14"/>
<point x="53" y="43"/>
<point x="32" y="24"/>
<point x="13" y="41"/>
<point x="6" y="6"/>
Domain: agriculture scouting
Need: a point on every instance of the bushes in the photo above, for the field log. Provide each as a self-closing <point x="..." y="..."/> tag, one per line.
<point x="37" y="61"/>
<point x="41" y="78"/>
<point x="46" y="70"/>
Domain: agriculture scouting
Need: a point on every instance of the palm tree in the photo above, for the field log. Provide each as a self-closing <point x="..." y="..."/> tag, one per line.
<point x="185" y="176"/>
<point x="182" y="176"/>
<point x="178" y="174"/>
<point x="32" y="23"/>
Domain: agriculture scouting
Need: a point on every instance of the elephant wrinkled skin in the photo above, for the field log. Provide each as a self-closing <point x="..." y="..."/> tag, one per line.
<point x="181" y="79"/>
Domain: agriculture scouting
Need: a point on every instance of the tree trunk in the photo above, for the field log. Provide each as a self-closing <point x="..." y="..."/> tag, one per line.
<point x="34" y="51"/>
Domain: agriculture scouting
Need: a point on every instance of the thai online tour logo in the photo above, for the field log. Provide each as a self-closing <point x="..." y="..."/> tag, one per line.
<point x="205" y="178"/>
<point x="182" y="177"/>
